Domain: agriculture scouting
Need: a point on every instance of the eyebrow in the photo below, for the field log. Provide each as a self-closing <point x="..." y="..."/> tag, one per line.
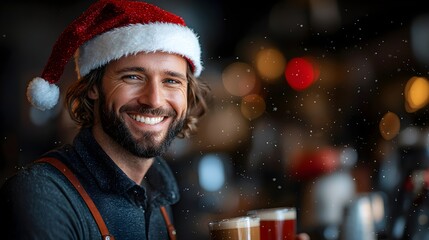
<point x="143" y="70"/>
<point x="131" y="69"/>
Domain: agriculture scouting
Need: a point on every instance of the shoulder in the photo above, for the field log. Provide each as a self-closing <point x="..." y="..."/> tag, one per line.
<point x="39" y="180"/>
<point x="39" y="199"/>
<point x="37" y="185"/>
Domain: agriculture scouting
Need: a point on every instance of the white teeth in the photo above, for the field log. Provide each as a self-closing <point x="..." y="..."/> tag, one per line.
<point x="147" y="120"/>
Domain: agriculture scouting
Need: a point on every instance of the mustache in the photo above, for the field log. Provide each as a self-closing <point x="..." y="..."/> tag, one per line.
<point x="148" y="110"/>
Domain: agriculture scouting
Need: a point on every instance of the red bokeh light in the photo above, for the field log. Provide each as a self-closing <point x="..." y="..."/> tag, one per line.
<point x="300" y="73"/>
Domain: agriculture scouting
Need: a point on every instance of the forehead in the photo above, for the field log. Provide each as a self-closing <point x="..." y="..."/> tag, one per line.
<point x="152" y="60"/>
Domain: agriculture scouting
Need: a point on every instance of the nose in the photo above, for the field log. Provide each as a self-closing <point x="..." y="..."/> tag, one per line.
<point x="151" y="94"/>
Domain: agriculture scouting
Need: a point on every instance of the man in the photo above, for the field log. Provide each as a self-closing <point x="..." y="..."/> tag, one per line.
<point x="137" y="90"/>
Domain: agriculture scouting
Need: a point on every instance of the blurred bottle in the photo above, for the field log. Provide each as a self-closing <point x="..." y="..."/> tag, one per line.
<point x="410" y="211"/>
<point x="328" y="188"/>
<point x="365" y="218"/>
<point x="416" y="225"/>
<point x="358" y="221"/>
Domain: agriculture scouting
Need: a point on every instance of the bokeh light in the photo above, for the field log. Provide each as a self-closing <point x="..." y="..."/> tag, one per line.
<point x="416" y="93"/>
<point x="300" y="73"/>
<point x="239" y="78"/>
<point x="222" y="130"/>
<point x="389" y="125"/>
<point x="420" y="37"/>
<point x="409" y="136"/>
<point x="211" y="173"/>
<point x="325" y="14"/>
<point x="270" y="64"/>
<point x="252" y="106"/>
<point x="310" y="163"/>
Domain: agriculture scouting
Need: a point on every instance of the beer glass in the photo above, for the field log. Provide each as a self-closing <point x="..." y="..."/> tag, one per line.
<point x="238" y="228"/>
<point x="276" y="223"/>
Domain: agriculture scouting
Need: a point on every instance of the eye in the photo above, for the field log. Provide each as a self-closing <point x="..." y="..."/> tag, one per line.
<point x="175" y="81"/>
<point x="133" y="78"/>
<point x="172" y="81"/>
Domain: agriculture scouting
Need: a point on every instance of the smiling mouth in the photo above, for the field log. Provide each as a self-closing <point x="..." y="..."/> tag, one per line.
<point x="147" y="120"/>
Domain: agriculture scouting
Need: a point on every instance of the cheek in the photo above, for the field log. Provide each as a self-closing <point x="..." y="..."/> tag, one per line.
<point x="117" y="96"/>
<point x="180" y="102"/>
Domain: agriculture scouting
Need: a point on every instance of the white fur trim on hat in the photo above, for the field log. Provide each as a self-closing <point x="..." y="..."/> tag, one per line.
<point x="131" y="39"/>
<point x="42" y="94"/>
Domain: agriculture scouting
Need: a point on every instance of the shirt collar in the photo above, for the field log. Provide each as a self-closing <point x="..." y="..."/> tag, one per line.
<point x="111" y="178"/>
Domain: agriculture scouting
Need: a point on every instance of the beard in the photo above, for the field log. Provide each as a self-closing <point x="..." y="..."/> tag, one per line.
<point x="146" y="146"/>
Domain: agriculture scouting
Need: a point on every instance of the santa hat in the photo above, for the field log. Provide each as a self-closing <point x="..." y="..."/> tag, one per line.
<point x="109" y="30"/>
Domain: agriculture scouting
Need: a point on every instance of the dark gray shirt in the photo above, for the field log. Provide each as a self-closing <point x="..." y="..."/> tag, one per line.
<point x="40" y="203"/>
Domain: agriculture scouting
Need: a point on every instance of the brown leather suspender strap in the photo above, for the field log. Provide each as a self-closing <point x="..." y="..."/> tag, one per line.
<point x="170" y="226"/>
<point x="73" y="179"/>
<point x="92" y="208"/>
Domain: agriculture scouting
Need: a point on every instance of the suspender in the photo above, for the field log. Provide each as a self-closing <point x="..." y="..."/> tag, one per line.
<point x="92" y="208"/>
<point x="73" y="179"/>
<point x="170" y="226"/>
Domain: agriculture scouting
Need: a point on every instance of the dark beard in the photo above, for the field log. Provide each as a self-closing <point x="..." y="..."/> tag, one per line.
<point x="146" y="147"/>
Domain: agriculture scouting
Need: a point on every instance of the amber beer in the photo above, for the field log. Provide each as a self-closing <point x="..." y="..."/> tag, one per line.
<point x="239" y="228"/>
<point x="276" y="223"/>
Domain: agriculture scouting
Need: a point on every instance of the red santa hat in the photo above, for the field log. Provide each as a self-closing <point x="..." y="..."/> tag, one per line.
<point x="109" y="30"/>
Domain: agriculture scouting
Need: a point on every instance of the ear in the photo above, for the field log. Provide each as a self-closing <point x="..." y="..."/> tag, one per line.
<point x="93" y="92"/>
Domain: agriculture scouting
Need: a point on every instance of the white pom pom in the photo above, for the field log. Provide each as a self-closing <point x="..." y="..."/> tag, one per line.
<point x="42" y="94"/>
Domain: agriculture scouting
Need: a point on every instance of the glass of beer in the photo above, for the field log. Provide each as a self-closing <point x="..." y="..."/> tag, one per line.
<point x="239" y="228"/>
<point x="276" y="223"/>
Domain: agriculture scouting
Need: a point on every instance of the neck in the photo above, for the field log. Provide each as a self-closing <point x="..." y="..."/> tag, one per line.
<point x="134" y="167"/>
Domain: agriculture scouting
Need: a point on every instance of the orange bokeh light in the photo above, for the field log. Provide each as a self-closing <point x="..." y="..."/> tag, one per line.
<point x="416" y="93"/>
<point x="389" y="125"/>
<point x="239" y="79"/>
<point x="252" y="106"/>
<point x="270" y="64"/>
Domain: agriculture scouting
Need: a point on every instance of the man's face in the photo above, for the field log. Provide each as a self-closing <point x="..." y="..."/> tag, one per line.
<point x="143" y="101"/>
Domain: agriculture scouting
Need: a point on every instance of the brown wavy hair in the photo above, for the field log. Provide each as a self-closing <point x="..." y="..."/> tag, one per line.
<point x="81" y="107"/>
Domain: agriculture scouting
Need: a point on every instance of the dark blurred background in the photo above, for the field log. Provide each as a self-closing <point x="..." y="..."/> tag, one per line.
<point x="318" y="104"/>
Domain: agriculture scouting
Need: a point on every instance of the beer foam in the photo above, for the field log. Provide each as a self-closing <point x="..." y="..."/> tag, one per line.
<point x="275" y="213"/>
<point x="238" y="222"/>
